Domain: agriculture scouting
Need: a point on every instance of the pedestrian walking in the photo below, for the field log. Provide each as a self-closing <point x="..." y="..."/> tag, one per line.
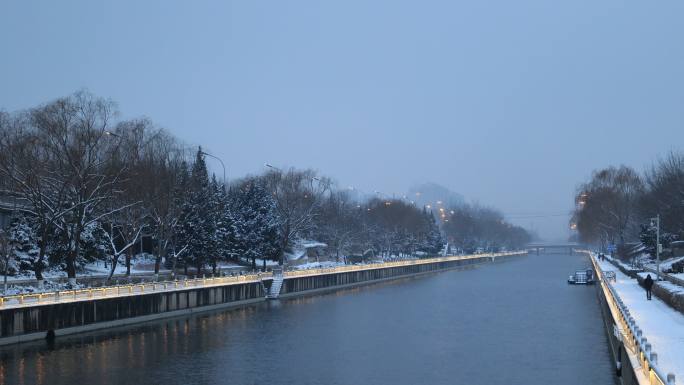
<point x="648" y="285"/>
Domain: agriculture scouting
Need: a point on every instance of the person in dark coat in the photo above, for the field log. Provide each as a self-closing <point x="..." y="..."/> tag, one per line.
<point x="648" y="285"/>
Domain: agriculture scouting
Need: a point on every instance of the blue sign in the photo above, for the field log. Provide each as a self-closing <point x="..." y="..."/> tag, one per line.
<point x="612" y="248"/>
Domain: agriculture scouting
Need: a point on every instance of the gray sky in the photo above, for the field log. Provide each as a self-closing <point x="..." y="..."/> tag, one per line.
<point x="510" y="103"/>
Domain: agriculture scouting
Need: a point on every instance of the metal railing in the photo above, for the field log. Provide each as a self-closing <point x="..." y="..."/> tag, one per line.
<point x="384" y="265"/>
<point x="86" y="294"/>
<point x="62" y="296"/>
<point x="633" y="338"/>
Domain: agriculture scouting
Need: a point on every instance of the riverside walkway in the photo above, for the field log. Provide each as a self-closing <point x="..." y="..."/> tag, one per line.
<point x="127" y="290"/>
<point x="652" y="331"/>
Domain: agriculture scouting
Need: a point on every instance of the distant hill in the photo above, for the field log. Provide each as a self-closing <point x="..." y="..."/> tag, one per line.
<point x="431" y="193"/>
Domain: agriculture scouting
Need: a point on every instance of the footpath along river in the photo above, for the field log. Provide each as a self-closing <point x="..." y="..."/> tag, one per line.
<point x="511" y="322"/>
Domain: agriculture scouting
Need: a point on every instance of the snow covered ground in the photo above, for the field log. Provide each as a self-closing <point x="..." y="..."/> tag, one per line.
<point x="55" y="279"/>
<point x="664" y="265"/>
<point x="141" y="263"/>
<point x="319" y="265"/>
<point x="661" y="324"/>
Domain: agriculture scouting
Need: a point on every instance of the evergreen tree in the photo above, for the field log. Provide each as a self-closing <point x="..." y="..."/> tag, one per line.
<point x="255" y="222"/>
<point x="224" y="229"/>
<point x="23" y="245"/>
<point x="647" y="236"/>
<point x="181" y="234"/>
<point x="199" y="225"/>
<point x="433" y="241"/>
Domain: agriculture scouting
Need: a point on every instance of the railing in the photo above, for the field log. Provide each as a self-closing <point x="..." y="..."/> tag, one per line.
<point x="633" y="337"/>
<point x="384" y="265"/>
<point x="62" y="296"/>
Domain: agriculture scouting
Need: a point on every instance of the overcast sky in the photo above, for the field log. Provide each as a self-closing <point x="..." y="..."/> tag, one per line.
<point x="510" y="103"/>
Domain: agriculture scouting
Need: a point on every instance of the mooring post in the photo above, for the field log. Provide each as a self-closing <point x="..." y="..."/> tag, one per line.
<point x="670" y="379"/>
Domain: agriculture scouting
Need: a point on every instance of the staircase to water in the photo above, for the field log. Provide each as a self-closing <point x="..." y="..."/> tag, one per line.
<point x="274" y="291"/>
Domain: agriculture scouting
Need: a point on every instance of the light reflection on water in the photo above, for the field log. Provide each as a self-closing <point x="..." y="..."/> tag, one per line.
<point x="506" y="323"/>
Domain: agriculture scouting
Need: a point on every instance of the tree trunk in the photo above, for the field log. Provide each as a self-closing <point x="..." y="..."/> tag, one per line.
<point x="4" y="281"/>
<point x="128" y="261"/>
<point x="157" y="264"/>
<point x="73" y="255"/>
<point x="38" y="267"/>
<point x="38" y="264"/>
<point x="283" y="247"/>
<point x="253" y="263"/>
<point x="160" y="251"/>
<point x="115" y="260"/>
<point x="71" y="265"/>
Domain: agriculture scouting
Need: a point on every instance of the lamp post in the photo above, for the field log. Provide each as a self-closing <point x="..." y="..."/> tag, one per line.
<point x="273" y="167"/>
<point x="219" y="159"/>
<point x="111" y="222"/>
<point x="655" y="222"/>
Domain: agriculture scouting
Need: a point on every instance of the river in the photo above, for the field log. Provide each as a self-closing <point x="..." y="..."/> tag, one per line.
<point x="511" y="322"/>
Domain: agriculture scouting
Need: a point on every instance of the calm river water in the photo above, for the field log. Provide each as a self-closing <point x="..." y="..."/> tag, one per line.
<point x="511" y="322"/>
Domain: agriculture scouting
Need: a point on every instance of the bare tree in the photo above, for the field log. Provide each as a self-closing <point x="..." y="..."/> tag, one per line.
<point x="59" y="160"/>
<point x="607" y="206"/>
<point x="298" y="195"/>
<point x="339" y="223"/>
<point x="665" y="193"/>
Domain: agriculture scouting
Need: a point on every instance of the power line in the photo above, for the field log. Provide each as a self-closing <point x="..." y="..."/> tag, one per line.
<point x="526" y="216"/>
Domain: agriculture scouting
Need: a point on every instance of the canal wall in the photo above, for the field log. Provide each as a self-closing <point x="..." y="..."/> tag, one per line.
<point x="624" y="367"/>
<point x="30" y="323"/>
<point x="56" y="314"/>
<point x="632" y="363"/>
<point x="311" y="284"/>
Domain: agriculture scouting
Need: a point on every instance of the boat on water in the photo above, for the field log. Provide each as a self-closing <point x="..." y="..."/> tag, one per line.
<point x="582" y="277"/>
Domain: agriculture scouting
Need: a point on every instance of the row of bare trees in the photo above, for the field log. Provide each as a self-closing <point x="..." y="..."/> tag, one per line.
<point x="84" y="186"/>
<point x="472" y="227"/>
<point x="616" y="205"/>
<point x="71" y="168"/>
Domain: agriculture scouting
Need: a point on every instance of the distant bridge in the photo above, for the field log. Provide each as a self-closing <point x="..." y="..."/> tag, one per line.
<point x="555" y="247"/>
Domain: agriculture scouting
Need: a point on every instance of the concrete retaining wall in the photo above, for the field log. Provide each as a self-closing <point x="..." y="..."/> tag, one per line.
<point x="27" y="323"/>
<point x="618" y="351"/>
<point x="617" y="348"/>
<point x="311" y="284"/>
<point x="34" y="322"/>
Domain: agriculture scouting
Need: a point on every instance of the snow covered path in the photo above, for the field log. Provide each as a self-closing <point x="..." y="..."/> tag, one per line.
<point x="662" y="325"/>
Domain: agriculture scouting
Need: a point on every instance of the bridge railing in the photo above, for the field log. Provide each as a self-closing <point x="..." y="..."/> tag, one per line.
<point x="85" y="294"/>
<point x="633" y="338"/>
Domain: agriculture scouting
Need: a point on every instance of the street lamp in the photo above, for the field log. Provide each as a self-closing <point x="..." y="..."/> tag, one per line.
<point x="655" y="222"/>
<point x="273" y="167"/>
<point x="219" y="159"/>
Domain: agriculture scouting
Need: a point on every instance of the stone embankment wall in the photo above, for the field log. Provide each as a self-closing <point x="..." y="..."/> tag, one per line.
<point x="30" y="323"/>
<point x="26" y="322"/>
<point x="308" y="284"/>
